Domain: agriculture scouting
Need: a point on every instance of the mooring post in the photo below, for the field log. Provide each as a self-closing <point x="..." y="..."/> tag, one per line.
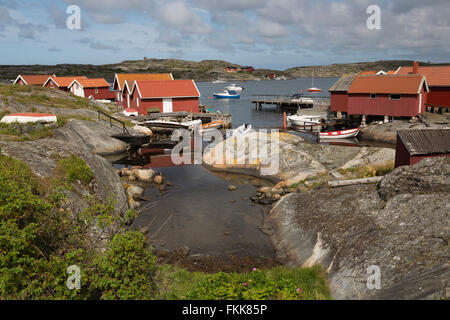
<point x="284" y="121"/>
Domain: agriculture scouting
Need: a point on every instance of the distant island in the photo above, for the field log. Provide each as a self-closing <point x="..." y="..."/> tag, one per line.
<point x="206" y="70"/>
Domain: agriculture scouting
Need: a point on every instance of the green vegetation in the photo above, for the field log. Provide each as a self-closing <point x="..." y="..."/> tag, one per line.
<point x="24" y="132"/>
<point x="280" y="283"/>
<point x="40" y="238"/>
<point x="74" y="168"/>
<point x="368" y="171"/>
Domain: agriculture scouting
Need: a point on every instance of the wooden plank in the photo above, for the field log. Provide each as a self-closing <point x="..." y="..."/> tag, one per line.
<point x="342" y="183"/>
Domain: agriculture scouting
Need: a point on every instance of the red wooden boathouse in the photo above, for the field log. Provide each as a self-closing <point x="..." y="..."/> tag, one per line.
<point x="387" y="95"/>
<point x="92" y="88"/>
<point x="438" y="79"/>
<point x="61" y="83"/>
<point x="165" y="96"/>
<point x="415" y="145"/>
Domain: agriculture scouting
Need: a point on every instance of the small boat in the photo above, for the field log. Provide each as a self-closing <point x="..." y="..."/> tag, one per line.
<point x="244" y="129"/>
<point x="233" y="87"/>
<point x="212" y="125"/>
<point x="219" y="81"/>
<point x="299" y="120"/>
<point x="172" y="124"/>
<point x="342" y="134"/>
<point x="227" y="94"/>
<point x="313" y="89"/>
<point x="29" y="118"/>
<point x="129" y="112"/>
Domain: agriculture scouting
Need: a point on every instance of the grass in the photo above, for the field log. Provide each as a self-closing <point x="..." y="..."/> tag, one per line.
<point x="279" y="283"/>
<point x="368" y="171"/>
<point x="74" y="168"/>
<point x="14" y="132"/>
<point x="36" y="95"/>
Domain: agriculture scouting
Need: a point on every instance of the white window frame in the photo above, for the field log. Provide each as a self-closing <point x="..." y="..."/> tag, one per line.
<point x="96" y="90"/>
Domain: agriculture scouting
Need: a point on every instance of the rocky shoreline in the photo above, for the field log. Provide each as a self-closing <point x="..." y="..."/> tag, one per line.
<point x="400" y="225"/>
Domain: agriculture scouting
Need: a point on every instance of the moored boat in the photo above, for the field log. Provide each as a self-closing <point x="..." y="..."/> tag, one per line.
<point x="341" y="134"/>
<point x="301" y="120"/>
<point x="233" y="87"/>
<point x="242" y="130"/>
<point x="212" y="125"/>
<point x="227" y="94"/>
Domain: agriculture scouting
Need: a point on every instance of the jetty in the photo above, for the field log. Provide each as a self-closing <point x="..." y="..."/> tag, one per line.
<point x="287" y="101"/>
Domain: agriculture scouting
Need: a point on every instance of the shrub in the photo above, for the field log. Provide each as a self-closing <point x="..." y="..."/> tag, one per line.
<point x="278" y="283"/>
<point x="74" y="168"/>
<point x="126" y="270"/>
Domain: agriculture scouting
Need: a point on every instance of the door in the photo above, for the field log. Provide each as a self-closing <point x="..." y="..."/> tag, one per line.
<point x="167" y="105"/>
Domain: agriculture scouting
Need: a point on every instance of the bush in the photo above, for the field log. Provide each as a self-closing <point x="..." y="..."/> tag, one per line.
<point x="126" y="270"/>
<point x="278" y="283"/>
<point x="75" y="168"/>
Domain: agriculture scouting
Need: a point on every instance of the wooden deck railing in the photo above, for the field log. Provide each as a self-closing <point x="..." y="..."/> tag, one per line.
<point x="111" y="119"/>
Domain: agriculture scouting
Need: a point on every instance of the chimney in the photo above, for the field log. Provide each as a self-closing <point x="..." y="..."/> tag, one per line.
<point x="415" y="67"/>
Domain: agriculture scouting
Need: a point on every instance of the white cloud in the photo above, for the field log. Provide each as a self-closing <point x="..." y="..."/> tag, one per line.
<point x="177" y="15"/>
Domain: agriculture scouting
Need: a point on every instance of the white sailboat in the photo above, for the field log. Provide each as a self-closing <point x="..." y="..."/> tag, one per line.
<point x="313" y="89"/>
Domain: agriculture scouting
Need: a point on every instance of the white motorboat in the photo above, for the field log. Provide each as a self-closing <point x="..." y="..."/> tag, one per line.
<point x="244" y="129"/>
<point x="301" y="120"/>
<point x="233" y="87"/>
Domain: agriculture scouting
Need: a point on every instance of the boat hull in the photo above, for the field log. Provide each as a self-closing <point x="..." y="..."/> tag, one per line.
<point x="233" y="96"/>
<point x="344" y="134"/>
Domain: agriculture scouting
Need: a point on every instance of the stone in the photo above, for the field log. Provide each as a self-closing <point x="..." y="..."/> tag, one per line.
<point x="183" y="251"/>
<point x="158" y="179"/>
<point x="276" y="197"/>
<point x="399" y="225"/>
<point x="264" y="189"/>
<point x="132" y="178"/>
<point x="144" y="175"/>
<point x="232" y="188"/>
<point x="169" y="184"/>
<point x="125" y="172"/>
<point x="162" y="188"/>
<point x="135" y="192"/>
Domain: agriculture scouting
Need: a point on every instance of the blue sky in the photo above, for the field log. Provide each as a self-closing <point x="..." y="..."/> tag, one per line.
<point x="263" y="33"/>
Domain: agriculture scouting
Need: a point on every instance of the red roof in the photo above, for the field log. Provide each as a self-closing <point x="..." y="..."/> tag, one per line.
<point x="436" y="75"/>
<point x="388" y="84"/>
<point x="120" y="78"/>
<point x="65" y="81"/>
<point x="93" y="83"/>
<point x="166" y="89"/>
<point x="34" y="79"/>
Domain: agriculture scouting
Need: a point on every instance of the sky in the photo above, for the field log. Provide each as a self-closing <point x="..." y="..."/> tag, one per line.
<point x="276" y="34"/>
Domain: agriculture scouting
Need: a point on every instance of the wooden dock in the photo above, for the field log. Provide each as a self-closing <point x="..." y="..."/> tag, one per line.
<point x="283" y="101"/>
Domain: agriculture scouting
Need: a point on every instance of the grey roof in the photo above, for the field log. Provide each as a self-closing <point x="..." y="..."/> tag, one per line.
<point x="422" y="142"/>
<point x="343" y="84"/>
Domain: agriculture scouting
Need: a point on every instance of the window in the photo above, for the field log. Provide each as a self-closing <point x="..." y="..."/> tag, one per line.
<point x="394" y="97"/>
<point x="96" y="90"/>
<point x="373" y="96"/>
<point x="137" y="101"/>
